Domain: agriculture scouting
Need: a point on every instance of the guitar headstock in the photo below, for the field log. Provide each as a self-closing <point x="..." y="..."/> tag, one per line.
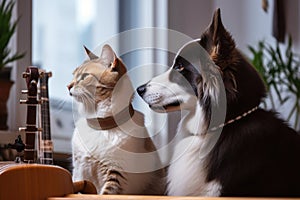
<point x="44" y="76"/>
<point x="32" y="77"/>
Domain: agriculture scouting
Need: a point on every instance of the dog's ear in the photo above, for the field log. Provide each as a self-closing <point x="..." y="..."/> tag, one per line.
<point x="219" y="44"/>
<point x="90" y="54"/>
<point x="216" y="39"/>
<point x="216" y="27"/>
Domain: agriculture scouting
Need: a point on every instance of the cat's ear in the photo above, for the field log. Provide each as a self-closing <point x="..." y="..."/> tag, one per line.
<point x="108" y="56"/>
<point x="90" y="54"/>
<point x="118" y="66"/>
<point x="110" y="59"/>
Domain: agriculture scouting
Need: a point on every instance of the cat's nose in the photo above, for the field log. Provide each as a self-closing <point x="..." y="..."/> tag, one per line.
<point x="141" y="90"/>
<point x="70" y="86"/>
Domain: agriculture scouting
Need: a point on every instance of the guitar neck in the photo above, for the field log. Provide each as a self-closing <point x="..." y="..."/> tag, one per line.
<point x="31" y="129"/>
<point x="46" y="146"/>
<point x="45" y="115"/>
<point x="31" y="76"/>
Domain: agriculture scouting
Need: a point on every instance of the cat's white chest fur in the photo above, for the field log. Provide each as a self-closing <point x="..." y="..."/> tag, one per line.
<point x="97" y="142"/>
<point x="91" y="148"/>
<point x="115" y="149"/>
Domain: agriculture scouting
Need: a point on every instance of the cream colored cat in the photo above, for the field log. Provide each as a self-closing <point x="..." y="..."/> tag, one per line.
<point x="111" y="146"/>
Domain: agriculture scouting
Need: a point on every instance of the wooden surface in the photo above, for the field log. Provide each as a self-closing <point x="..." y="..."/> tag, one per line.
<point x="136" y="197"/>
<point x="33" y="182"/>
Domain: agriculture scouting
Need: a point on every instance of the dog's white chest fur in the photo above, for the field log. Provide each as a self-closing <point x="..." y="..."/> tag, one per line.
<point x="187" y="173"/>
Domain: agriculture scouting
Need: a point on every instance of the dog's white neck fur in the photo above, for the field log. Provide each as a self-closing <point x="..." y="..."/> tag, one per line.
<point x="187" y="172"/>
<point x="189" y="159"/>
<point x="194" y="122"/>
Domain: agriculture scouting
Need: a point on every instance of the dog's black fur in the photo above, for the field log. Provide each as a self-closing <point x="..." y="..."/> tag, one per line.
<point x="258" y="155"/>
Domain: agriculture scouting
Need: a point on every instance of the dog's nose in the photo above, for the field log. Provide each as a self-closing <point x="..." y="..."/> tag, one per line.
<point x="141" y="90"/>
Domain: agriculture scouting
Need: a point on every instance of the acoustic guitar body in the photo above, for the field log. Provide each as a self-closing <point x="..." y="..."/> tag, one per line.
<point x="34" y="182"/>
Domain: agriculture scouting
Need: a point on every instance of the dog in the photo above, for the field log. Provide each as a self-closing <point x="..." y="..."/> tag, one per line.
<point x="252" y="152"/>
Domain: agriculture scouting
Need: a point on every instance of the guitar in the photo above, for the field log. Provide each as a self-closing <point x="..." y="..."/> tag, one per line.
<point x="28" y="180"/>
<point x="32" y="76"/>
<point x="46" y="145"/>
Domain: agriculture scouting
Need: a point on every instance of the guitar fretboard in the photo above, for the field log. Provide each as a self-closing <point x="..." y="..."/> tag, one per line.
<point x="46" y="146"/>
<point x="31" y="76"/>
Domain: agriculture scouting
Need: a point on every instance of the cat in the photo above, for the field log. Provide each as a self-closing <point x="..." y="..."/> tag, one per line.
<point x="110" y="145"/>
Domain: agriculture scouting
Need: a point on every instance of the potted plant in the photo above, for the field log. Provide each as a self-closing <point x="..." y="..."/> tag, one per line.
<point x="7" y="29"/>
<point x="279" y="67"/>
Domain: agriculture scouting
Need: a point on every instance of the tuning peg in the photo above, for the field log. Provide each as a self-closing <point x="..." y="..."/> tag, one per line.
<point x="44" y="99"/>
<point x="42" y="72"/>
<point x="26" y="74"/>
<point x="22" y="129"/>
<point x="23" y="101"/>
<point x="24" y="91"/>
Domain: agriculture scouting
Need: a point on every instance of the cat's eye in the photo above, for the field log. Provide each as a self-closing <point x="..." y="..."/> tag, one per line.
<point x="84" y="75"/>
<point x="179" y="67"/>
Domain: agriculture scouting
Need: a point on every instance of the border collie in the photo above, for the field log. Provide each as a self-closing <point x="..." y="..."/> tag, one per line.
<point x="251" y="152"/>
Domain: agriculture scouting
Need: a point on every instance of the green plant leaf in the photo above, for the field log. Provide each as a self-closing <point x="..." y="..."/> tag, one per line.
<point x="7" y="30"/>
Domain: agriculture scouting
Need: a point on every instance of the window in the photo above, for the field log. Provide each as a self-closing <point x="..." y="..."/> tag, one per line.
<point x="61" y="28"/>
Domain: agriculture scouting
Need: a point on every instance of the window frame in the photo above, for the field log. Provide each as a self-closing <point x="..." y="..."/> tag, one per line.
<point x="21" y="42"/>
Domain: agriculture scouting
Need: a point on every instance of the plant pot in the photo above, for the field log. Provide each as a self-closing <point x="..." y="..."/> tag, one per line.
<point x="5" y="85"/>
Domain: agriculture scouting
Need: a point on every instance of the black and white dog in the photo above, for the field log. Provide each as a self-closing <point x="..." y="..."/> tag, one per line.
<point x="255" y="153"/>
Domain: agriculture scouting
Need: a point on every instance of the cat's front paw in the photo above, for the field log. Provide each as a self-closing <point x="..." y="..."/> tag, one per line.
<point x="111" y="188"/>
<point x="112" y="183"/>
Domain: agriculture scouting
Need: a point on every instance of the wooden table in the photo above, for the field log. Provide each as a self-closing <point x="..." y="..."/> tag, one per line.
<point x="138" y="197"/>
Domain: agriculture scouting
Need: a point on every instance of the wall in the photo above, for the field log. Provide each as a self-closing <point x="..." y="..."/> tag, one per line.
<point x="190" y="17"/>
<point x="22" y="42"/>
<point x="245" y="20"/>
<point x="248" y="23"/>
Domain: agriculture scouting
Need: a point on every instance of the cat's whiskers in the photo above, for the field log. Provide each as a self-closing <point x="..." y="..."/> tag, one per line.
<point x="89" y="98"/>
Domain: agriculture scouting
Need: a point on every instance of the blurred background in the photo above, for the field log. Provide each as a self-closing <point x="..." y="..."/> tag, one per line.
<point x="53" y="32"/>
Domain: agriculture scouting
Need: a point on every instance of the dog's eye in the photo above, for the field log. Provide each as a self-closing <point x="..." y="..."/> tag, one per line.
<point x="179" y="67"/>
